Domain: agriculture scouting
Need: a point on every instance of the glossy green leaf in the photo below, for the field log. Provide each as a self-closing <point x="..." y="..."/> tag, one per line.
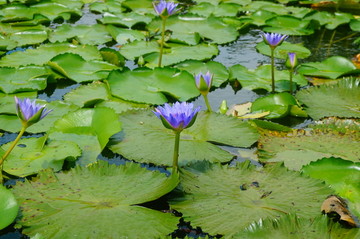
<point x="46" y="52"/>
<point x="183" y="28"/>
<point x="28" y="78"/>
<point x="278" y="104"/>
<point x="85" y="34"/>
<point x="260" y="78"/>
<point x="16" y="12"/>
<point x="54" y="10"/>
<point x="330" y="20"/>
<point x="333" y="67"/>
<point x="288" y="25"/>
<point x="222" y="10"/>
<point x="108" y="6"/>
<point x="98" y="201"/>
<point x="24" y="35"/>
<point x="341" y="99"/>
<point x="283" y="50"/>
<point x="258" y="18"/>
<point x="89" y="128"/>
<point x="123" y="36"/>
<point x="219" y="71"/>
<point x="120" y="106"/>
<point x="74" y="67"/>
<point x="8" y="207"/>
<point x="153" y="86"/>
<point x="128" y="19"/>
<point x="145" y="129"/>
<point x="34" y="154"/>
<point x="215" y="195"/>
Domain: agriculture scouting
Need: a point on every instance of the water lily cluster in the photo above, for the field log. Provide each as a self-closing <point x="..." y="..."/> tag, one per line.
<point x="161" y="115"/>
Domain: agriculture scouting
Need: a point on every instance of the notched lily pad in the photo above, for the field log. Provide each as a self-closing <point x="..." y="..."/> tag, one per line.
<point x="108" y="194"/>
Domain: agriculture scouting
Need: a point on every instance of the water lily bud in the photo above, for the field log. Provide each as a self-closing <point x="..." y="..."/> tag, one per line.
<point x="141" y="61"/>
<point x="178" y="116"/>
<point x="223" y="107"/>
<point x="29" y="112"/>
<point x="203" y="82"/>
<point x="291" y="61"/>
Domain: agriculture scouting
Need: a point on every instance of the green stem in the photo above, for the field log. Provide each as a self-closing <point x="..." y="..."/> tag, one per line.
<point x="22" y="131"/>
<point x="330" y="42"/>
<point x="162" y="40"/>
<point x="272" y="70"/>
<point x="207" y="103"/>
<point x="291" y="77"/>
<point x="176" y="151"/>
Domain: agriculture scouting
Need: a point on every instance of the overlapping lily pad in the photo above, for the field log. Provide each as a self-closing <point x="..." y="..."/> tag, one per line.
<point x="283" y="50"/>
<point x="143" y="129"/>
<point x="89" y="128"/>
<point x="9" y="207"/>
<point x="225" y="200"/>
<point x="35" y="154"/>
<point x="153" y="86"/>
<point x="341" y="100"/>
<point x="289" y="25"/>
<point x="66" y="204"/>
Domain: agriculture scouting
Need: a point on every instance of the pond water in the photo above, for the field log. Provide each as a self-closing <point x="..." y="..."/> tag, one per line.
<point x="323" y="43"/>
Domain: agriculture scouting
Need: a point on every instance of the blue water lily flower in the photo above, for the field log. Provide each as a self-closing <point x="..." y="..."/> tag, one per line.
<point x="164" y="8"/>
<point x="273" y="39"/>
<point x="29" y="112"/>
<point x="178" y="116"/>
<point x="203" y="81"/>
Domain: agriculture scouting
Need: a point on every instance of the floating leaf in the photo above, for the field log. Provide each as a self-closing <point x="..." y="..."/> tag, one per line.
<point x="295" y="227"/>
<point x="123" y="36"/>
<point x="128" y="19"/>
<point x="245" y="193"/>
<point x="29" y="78"/>
<point x="260" y="78"/>
<point x="46" y="52"/>
<point x="282" y="51"/>
<point x="145" y="129"/>
<point x="24" y="35"/>
<point x="33" y="154"/>
<point x="341" y="100"/>
<point x="9" y="207"/>
<point x="304" y="146"/>
<point x="333" y="67"/>
<point x="89" y="128"/>
<point x="185" y="27"/>
<point x="74" y="67"/>
<point x="153" y="86"/>
<point x="330" y="20"/>
<point x="289" y="25"/>
<point x="219" y="71"/>
<point x="54" y="10"/>
<point x="85" y="34"/>
<point x="107" y="194"/>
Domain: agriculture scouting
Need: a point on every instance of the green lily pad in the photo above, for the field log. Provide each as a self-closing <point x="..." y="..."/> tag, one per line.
<point x="295" y="227"/>
<point x="24" y="35"/>
<point x="341" y="100"/>
<point x="89" y="128"/>
<point x="279" y="105"/>
<point x="145" y="129"/>
<point x="46" y="52"/>
<point x="120" y="106"/>
<point x="108" y="6"/>
<point x="207" y="9"/>
<point x="66" y="204"/>
<point x="9" y="207"/>
<point x="33" y="154"/>
<point x="185" y="27"/>
<point x="123" y="36"/>
<point x="16" y="12"/>
<point x="153" y="86"/>
<point x="128" y="19"/>
<point x="333" y="67"/>
<point x="304" y="146"/>
<point x="74" y="67"/>
<point x="355" y="25"/>
<point x="219" y="71"/>
<point x="29" y="78"/>
<point x="53" y="10"/>
<point x="289" y="25"/>
<point x="11" y="123"/>
<point x="214" y="195"/>
<point x="260" y="78"/>
<point x="85" y="34"/>
<point x="282" y="51"/>
<point x="258" y="18"/>
<point x="330" y="20"/>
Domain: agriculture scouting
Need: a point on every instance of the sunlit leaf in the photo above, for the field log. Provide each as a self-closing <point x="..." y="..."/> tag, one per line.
<point x="289" y="25"/>
<point x="9" y="207"/>
<point x="283" y="50"/>
<point x="128" y="19"/>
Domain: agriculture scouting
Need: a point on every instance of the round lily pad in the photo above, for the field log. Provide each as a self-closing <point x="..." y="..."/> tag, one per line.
<point x="8" y="207"/>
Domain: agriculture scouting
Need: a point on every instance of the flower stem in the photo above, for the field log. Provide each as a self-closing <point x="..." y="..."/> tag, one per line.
<point x="272" y="70"/>
<point x="207" y="103"/>
<point x="22" y="131"/>
<point x="162" y="40"/>
<point x="176" y="152"/>
<point x="291" y="76"/>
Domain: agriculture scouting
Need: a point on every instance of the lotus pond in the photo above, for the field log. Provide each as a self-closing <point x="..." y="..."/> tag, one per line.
<point x="272" y="153"/>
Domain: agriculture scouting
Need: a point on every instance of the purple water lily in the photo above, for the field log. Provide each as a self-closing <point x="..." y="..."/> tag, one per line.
<point x="273" y="39"/>
<point x="292" y="60"/>
<point x="164" y="8"/>
<point x="203" y="81"/>
<point x="29" y="112"/>
<point x="178" y="116"/>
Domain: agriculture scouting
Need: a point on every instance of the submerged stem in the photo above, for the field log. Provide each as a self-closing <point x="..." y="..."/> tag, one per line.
<point x="162" y="40"/>
<point x="176" y="152"/>
<point x="22" y="131"/>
